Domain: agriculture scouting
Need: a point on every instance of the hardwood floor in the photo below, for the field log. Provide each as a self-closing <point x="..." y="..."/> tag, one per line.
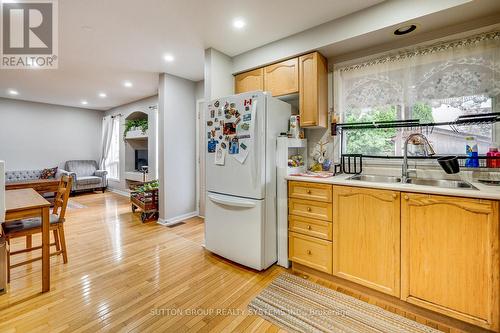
<point x="126" y="276"/>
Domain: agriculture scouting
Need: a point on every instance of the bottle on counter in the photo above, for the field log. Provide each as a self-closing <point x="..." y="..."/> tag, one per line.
<point x="472" y="160"/>
<point x="491" y="161"/>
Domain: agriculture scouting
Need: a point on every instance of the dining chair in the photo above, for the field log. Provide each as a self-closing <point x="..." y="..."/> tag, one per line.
<point x="28" y="227"/>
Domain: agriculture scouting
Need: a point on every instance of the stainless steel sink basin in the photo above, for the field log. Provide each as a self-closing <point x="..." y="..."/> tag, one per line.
<point x="457" y="184"/>
<point x="376" y="178"/>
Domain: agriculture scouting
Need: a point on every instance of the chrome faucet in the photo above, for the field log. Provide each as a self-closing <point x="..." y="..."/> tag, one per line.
<point x="429" y="151"/>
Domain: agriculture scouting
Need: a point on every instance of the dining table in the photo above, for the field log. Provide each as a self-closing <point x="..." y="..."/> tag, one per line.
<point x="28" y="203"/>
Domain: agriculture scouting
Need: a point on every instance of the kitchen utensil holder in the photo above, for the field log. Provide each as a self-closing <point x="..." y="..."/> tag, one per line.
<point x="352" y="163"/>
<point x="449" y="164"/>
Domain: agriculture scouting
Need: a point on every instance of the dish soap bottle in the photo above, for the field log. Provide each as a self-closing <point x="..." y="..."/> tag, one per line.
<point x="472" y="160"/>
<point x="491" y="157"/>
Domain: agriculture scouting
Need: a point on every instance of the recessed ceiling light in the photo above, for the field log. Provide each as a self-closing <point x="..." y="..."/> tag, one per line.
<point x="103" y="95"/>
<point x="84" y="102"/>
<point x="405" y="30"/>
<point x="168" y="57"/>
<point x="127" y="84"/>
<point x="239" y="23"/>
<point x="13" y="92"/>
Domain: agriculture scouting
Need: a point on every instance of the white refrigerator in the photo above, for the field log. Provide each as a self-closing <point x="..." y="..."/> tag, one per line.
<point x="240" y="216"/>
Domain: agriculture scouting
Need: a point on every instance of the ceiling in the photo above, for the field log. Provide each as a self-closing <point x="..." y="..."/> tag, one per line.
<point x="104" y="43"/>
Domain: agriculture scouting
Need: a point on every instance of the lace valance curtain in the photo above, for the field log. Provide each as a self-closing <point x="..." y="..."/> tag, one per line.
<point x="462" y="73"/>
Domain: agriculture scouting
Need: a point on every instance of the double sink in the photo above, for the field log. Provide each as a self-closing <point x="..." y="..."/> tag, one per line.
<point x="453" y="184"/>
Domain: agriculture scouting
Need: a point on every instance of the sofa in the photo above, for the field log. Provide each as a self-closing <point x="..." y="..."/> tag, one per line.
<point x="25" y="175"/>
<point x="86" y="175"/>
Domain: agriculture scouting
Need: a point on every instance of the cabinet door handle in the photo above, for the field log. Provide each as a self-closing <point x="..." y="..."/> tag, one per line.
<point x="309" y="252"/>
<point x="308" y="191"/>
<point x="308" y="209"/>
<point x="308" y="227"/>
<point x="394" y="195"/>
<point x="407" y="197"/>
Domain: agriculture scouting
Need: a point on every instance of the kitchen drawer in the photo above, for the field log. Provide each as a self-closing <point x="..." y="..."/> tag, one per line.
<point x="312" y="209"/>
<point x="310" y="227"/>
<point x="310" y="191"/>
<point x="309" y="251"/>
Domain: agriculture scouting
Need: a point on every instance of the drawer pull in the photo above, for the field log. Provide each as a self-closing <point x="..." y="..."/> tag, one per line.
<point x="308" y="209"/>
<point x="394" y="195"/>
<point x="308" y="191"/>
<point x="309" y="252"/>
<point x="309" y="227"/>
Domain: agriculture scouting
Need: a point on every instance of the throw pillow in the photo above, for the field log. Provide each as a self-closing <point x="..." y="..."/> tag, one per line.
<point x="48" y="173"/>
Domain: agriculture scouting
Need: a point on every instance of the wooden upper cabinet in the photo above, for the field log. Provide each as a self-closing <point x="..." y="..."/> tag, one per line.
<point x="249" y="81"/>
<point x="313" y="90"/>
<point x="282" y="78"/>
<point x="450" y="260"/>
<point x="366" y="237"/>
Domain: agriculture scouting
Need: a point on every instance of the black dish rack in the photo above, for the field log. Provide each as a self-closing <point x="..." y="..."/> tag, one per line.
<point x="482" y="159"/>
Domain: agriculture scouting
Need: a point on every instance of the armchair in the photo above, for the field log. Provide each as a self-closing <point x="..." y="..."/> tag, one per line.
<point x="86" y="175"/>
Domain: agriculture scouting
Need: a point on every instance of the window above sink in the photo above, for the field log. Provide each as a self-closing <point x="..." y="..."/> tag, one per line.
<point x="437" y="83"/>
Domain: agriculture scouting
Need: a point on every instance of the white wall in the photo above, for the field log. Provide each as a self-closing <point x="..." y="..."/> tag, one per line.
<point x="37" y="136"/>
<point x="177" y="147"/>
<point x="219" y="80"/>
<point x="387" y="13"/>
<point x="125" y="110"/>
<point x="200" y="90"/>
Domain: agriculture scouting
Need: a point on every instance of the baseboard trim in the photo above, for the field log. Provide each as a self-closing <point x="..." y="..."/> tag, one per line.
<point x="177" y="219"/>
<point x="120" y="192"/>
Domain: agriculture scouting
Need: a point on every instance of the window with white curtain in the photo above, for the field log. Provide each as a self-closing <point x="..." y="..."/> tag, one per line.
<point x="112" y="162"/>
<point x="434" y="84"/>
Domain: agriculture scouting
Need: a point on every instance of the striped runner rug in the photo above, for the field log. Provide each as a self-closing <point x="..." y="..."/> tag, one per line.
<point x="298" y="305"/>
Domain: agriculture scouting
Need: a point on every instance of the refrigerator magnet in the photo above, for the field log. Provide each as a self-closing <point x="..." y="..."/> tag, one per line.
<point x="245" y="136"/>
<point x="247" y="102"/>
<point x="210" y="123"/>
<point x="243" y="146"/>
<point x="229" y="129"/>
<point x="234" y="146"/>
<point x="216" y="104"/>
<point x="245" y="126"/>
<point x="247" y="117"/>
<point x="223" y="145"/>
<point x="220" y="155"/>
<point x="212" y="113"/>
<point x="237" y="114"/>
<point x="212" y="144"/>
<point x="237" y="121"/>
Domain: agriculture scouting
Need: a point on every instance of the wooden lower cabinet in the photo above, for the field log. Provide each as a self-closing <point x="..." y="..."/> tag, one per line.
<point x="310" y="251"/>
<point x="437" y="252"/>
<point x="450" y="260"/>
<point x="310" y="227"/>
<point x="366" y="237"/>
<point x="312" y="209"/>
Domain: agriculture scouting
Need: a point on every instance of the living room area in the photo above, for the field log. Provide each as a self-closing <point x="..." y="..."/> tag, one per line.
<point x="83" y="165"/>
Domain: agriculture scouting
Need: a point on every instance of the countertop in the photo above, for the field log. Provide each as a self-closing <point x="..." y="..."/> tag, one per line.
<point x="482" y="192"/>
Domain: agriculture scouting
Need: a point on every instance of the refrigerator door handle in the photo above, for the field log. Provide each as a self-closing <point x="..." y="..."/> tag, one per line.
<point x="255" y="133"/>
<point x="235" y="202"/>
